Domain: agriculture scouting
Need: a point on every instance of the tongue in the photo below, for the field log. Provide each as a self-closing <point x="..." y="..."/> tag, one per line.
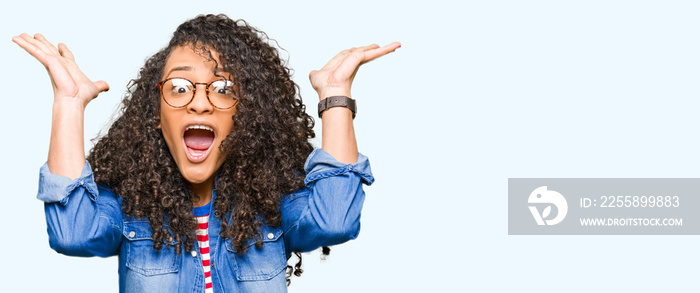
<point x="199" y="139"/>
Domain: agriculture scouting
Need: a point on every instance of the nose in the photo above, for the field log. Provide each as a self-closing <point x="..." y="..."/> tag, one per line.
<point x="200" y="103"/>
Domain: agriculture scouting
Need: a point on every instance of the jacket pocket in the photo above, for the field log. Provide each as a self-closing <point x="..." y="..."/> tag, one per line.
<point x="259" y="264"/>
<point x="141" y="257"/>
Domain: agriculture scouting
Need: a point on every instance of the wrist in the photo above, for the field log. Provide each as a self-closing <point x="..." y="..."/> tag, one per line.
<point x="330" y="92"/>
<point x="68" y="105"/>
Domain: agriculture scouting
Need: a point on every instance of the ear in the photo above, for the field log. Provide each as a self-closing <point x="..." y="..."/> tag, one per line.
<point x="158" y="119"/>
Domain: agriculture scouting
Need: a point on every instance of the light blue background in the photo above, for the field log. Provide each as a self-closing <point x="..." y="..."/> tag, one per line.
<point x="480" y="91"/>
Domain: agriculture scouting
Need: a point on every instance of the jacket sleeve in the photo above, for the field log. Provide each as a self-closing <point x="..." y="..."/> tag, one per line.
<point x="82" y="219"/>
<point x="327" y="211"/>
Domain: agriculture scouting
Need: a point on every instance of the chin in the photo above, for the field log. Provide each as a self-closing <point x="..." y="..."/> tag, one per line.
<point x="196" y="176"/>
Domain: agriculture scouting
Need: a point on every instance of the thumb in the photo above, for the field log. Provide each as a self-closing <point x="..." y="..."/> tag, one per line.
<point x="102" y="85"/>
<point x="312" y="73"/>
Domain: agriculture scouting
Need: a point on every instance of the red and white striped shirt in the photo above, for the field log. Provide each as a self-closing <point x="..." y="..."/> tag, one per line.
<point x="203" y="241"/>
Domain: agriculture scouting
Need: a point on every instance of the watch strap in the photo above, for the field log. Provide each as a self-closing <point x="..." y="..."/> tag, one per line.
<point x="337" y="101"/>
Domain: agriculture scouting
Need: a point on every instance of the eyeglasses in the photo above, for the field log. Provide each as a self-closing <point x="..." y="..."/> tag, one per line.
<point x="179" y="92"/>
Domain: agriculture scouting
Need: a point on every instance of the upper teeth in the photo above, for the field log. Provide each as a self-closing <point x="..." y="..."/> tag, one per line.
<point x="200" y="127"/>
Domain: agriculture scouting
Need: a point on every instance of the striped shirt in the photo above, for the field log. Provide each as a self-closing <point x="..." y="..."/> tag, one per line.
<point x="202" y="216"/>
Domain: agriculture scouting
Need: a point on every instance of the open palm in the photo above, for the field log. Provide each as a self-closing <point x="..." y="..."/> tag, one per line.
<point x="335" y="78"/>
<point x="67" y="79"/>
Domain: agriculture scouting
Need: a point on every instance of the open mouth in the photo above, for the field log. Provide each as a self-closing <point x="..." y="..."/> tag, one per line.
<point x="198" y="140"/>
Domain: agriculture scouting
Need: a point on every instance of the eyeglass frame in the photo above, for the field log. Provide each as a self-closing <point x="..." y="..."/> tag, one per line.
<point x="194" y="92"/>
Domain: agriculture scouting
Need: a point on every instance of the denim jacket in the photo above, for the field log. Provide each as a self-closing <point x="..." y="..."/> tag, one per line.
<point x="85" y="219"/>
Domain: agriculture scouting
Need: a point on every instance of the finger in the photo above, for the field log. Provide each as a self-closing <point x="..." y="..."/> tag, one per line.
<point x="63" y="50"/>
<point x="59" y="75"/>
<point x="102" y="85"/>
<point x="378" y="52"/>
<point x="360" y="55"/>
<point x="23" y="41"/>
<point x="365" y="48"/>
<point x="38" y="43"/>
<point x="363" y="55"/>
<point x="45" y="42"/>
<point x="20" y="41"/>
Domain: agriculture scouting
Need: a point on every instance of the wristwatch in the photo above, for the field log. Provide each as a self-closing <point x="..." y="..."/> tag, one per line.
<point x="337" y="101"/>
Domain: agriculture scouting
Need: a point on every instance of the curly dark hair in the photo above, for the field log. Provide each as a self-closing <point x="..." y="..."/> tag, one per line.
<point x="265" y="150"/>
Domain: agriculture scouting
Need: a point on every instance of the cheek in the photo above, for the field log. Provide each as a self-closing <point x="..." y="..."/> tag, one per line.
<point x="170" y="142"/>
<point x="226" y="123"/>
<point x="169" y="130"/>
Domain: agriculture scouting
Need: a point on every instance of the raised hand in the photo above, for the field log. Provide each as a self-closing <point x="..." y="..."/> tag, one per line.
<point x="335" y="78"/>
<point x="67" y="79"/>
<point x="72" y="92"/>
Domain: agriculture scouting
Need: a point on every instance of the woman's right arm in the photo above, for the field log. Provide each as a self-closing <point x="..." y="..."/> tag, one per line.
<point x="82" y="219"/>
<point x="72" y="92"/>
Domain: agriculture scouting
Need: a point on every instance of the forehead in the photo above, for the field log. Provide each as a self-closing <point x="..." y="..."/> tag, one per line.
<point x="190" y="60"/>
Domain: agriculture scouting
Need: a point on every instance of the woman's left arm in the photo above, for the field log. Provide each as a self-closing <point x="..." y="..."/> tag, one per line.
<point x="327" y="212"/>
<point x="335" y="79"/>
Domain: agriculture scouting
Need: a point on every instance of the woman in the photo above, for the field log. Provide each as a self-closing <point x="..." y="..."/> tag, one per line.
<point x="199" y="185"/>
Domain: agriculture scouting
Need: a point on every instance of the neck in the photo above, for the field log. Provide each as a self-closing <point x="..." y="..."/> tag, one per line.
<point x="202" y="191"/>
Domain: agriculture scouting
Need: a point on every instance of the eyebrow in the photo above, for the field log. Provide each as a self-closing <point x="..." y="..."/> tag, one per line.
<point x="189" y="68"/>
